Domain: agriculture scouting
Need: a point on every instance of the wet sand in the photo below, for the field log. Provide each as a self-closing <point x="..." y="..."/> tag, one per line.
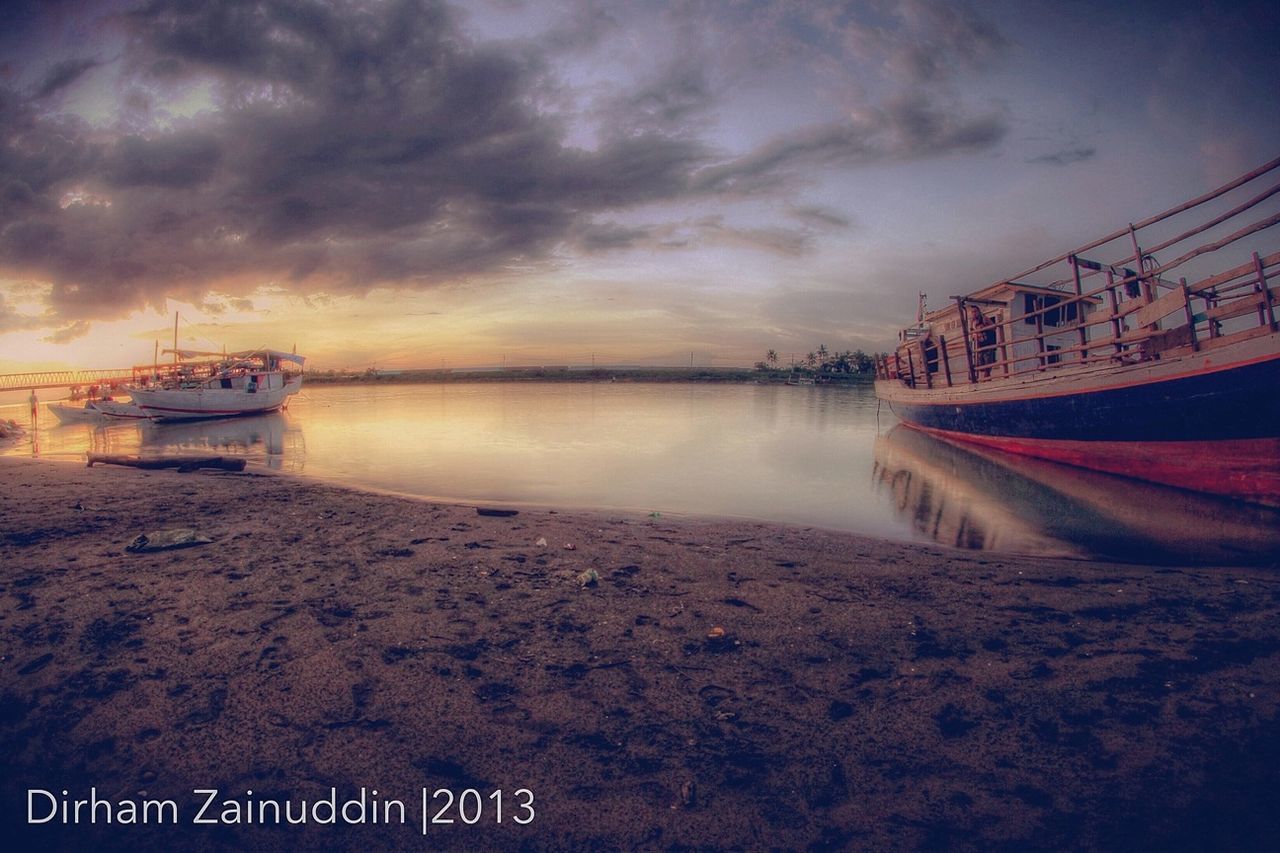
<point x="858" y="695"/>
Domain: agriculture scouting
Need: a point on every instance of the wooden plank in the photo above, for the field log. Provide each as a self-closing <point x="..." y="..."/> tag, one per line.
<point x="1227" y="340"/>
<point x="1139" y="335"/>
<point x="1236" y="308"/>
<point x="1124" y="309"/>
<point x="1174" y="300"/>
<point x="1233" y="273"/>
<point x="1170" y="338"/>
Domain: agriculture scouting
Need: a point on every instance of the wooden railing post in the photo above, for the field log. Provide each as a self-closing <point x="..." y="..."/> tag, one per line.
<point x="946" y="362"/>
<point x="1117" y="325"/>
<point x="1004" y="348"/>
<point x="1084" y="338"/>
<point x="1039" y="303"/>
<point x="1191" y="316"/>
<point x="1266" y="310"/>
<point x="1143" y="284"/>
<point x="968" y="346"/>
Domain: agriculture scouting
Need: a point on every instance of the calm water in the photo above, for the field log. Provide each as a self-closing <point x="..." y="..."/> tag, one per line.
<point x="823" y="457"/>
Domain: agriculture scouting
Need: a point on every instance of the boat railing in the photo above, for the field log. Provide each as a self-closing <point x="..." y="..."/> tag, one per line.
<point x="1133" y="310"/>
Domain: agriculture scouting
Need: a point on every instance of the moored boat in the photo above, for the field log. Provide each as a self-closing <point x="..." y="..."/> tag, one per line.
<point x="1119" y="366"/>
<point x="112" y="408"/>
<point x="225" y="385"/>
<point x="70" y="413"/>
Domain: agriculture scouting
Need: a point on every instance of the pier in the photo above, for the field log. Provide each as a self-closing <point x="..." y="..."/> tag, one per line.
<point x="64" y="379"/>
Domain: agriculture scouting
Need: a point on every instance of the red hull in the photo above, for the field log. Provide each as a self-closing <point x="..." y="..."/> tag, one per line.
<point x="1246" y="469"/>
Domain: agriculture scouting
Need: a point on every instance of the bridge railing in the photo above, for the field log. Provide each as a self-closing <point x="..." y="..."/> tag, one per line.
<point x="62" y="378"/>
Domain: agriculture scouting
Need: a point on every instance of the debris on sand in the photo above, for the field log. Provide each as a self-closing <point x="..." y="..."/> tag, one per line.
<point x="166" y="540"/>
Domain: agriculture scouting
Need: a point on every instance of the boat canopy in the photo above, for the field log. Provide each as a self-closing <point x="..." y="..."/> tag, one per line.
<point x="274" y="355"/>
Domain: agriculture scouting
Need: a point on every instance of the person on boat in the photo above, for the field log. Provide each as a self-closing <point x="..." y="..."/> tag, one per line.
<point x="929" y="349"/>
<point x="982" y="339"/>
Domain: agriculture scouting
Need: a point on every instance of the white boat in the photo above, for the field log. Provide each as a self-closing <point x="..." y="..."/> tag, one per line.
<point x="70" y="413"/>
<point x="242" y="383"/>
<point x="100" y="409"/>
<point x="127" y="409"/>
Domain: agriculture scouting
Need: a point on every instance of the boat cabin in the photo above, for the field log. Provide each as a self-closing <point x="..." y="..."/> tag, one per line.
<point x="1005" y="328"/>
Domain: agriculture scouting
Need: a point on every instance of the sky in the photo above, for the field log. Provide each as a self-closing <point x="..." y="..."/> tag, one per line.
<point x="417" y="183"/>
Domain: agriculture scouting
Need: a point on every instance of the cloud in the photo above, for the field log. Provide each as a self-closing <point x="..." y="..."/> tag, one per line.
<point x="908" y="127"/>
<point x="352" y="145"/>
<point x="63" y="75"/>
<point x="12" y="321"/>
<point x="1066" y="156"/>
<point x="78" y="329"/>
<point x="821" y="217"/>
<point x="178" y="160"/>
<point x="674" y="99"/>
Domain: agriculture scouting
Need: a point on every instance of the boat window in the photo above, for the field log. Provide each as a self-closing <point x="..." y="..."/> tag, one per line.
<point x="1052" y="317"/>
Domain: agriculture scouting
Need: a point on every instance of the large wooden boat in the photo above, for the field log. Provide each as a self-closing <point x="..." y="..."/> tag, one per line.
<point x="1164" y="370"/>
<point x="225" y="385"/>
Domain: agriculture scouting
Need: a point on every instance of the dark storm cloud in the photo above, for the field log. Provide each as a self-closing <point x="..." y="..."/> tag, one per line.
<point x="177" y="160"/>
<point x="353" y="145"/>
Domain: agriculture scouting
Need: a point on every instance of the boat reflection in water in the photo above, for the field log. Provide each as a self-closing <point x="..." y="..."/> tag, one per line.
<point x="265" y="438"/>
<point x="968" y="497"/>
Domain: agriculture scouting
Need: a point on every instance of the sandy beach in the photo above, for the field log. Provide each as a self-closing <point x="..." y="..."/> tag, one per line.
<point x="650" y="683"/>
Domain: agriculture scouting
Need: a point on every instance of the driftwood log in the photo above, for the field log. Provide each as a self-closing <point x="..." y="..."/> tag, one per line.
<point x="182" y="463"/>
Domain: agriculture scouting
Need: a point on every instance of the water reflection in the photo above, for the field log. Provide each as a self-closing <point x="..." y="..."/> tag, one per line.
<point x="798" y="455"/>
<point x="983" y="499"/>
<point x="263" y="437"/>
<point x="267" y="439"/>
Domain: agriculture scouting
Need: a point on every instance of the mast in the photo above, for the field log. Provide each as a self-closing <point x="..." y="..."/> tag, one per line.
<point x="175" y="337"/>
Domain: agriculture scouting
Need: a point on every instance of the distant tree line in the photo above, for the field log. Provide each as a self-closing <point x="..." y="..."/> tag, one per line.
<point x="823" y="361"/>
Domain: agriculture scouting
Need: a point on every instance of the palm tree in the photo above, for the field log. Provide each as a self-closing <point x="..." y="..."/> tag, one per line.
<point x="772" y="357"/>
<point x="811" y="359"/>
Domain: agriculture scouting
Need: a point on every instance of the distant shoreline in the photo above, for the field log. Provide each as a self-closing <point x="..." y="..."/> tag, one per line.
<point x="574" y="374"/>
